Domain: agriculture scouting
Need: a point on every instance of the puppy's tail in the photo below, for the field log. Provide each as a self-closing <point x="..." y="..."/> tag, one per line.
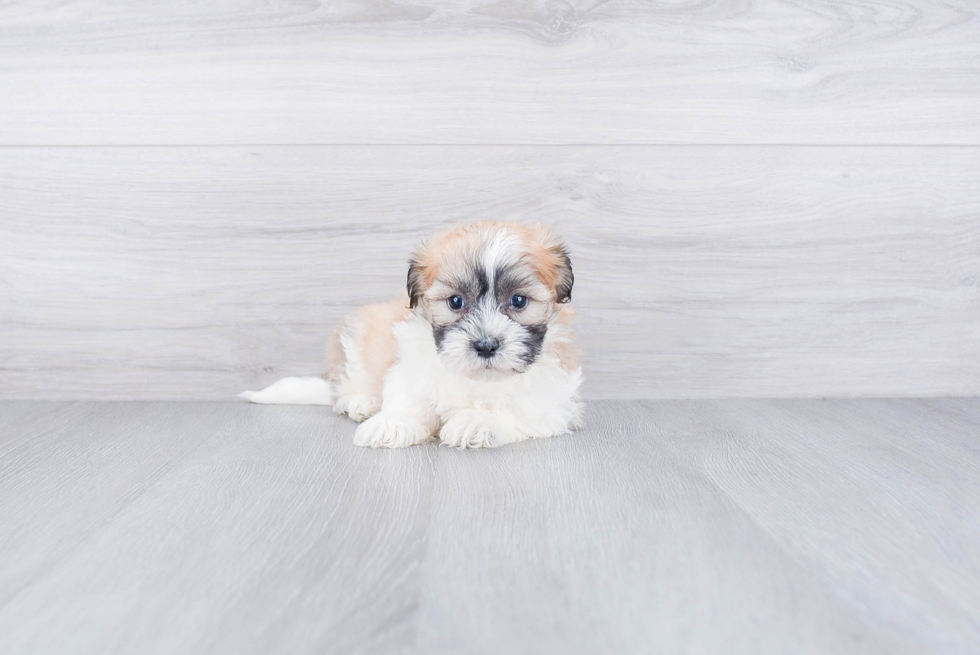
<point x="292" y="391"/>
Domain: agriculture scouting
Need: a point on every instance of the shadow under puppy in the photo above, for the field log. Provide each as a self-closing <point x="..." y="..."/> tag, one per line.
<point x="478" y="351"/>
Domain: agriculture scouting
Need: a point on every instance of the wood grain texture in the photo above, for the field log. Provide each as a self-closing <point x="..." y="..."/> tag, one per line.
<point x="250" y="525"/>
<point x="731" y="526"/>
<point x="482" y="71"/>
<point x="193" y="273"/>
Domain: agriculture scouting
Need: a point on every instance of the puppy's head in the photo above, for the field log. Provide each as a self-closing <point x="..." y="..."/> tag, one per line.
<point x="490" y="291"/>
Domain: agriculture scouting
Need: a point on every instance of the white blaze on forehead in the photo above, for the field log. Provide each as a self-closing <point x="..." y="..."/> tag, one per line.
<point x="502" y="248"/>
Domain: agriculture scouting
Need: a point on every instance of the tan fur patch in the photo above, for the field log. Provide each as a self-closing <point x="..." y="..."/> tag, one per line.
<point x="541" y="244"/>
<point x="368" y="330"/>
<point x="564" y="349"/>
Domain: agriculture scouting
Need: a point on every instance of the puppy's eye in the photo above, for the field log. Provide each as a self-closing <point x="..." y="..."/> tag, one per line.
<point x="456" y="303"/>
<point x="518" y="302"/>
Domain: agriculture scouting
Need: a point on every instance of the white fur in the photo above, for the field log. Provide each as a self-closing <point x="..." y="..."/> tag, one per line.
<point x="292" y="391"/>
<point x="420" y="395"/>
<point x="500" y="250"/>
<point x="422" y="398"/>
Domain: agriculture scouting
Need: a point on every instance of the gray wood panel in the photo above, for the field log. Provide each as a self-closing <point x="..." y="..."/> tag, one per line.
<point x="728" y="526"/>
<point x="478" y="71"/>
<point x="193" y="273"/>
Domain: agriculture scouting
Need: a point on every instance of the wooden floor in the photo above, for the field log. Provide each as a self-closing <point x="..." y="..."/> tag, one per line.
<point x="734" y="526"/>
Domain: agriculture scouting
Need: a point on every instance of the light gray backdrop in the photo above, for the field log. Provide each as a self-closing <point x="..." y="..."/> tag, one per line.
<point x="769" y="199"/>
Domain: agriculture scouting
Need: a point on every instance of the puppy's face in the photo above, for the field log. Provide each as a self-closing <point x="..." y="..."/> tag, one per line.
<point x="490" y="290"/>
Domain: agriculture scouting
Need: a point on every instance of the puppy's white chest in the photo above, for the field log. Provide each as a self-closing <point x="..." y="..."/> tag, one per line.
<point x="542" y="400"/>
<point x="447" y="391"/>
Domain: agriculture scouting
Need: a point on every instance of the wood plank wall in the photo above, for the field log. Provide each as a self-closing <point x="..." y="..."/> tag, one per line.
<point x="762" y="199"/>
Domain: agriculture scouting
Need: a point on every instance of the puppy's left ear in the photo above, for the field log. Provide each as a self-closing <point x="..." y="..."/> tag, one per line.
<point x="550" y="258"/>
<point x="565" y="278"/>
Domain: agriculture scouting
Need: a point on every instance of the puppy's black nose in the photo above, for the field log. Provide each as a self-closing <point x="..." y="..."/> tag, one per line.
<point x="486" y="347"/>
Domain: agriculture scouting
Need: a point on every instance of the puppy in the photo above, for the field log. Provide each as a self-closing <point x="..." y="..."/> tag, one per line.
<point x="478" y="351"/>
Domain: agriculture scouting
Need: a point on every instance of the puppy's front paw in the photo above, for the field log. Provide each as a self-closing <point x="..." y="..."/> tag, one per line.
<point x="391" y="430"/>
<point x="469" y="429"/>
<point x="358" y="407"/>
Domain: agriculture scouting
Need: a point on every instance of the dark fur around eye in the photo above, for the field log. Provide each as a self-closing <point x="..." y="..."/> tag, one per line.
<point x="456" y="303"/>
<point x="533" y="340"/>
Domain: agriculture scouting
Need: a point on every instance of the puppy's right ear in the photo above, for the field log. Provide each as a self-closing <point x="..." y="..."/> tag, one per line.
<point x="422" y="270"/>
<point x="416" y="282"/>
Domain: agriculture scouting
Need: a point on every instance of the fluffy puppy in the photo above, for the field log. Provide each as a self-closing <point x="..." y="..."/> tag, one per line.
<point x="478" y="350"/>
